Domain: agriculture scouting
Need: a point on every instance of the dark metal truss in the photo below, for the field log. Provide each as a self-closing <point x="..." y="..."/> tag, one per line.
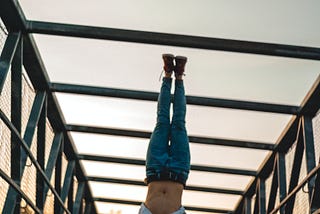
<point x="20" y="50"/>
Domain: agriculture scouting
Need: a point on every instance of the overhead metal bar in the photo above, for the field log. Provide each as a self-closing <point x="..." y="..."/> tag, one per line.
<point x="173" y="40"/>
<point x="142" y="163"/>
<point x="192" y="100"/>
<point x="192" y="139"/>
<point x="141" y="183"/>
<point x="7" y="55"/>
<point x="138" y="203"/>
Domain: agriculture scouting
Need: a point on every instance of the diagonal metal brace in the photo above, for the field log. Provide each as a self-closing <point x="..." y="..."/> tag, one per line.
<point x="55" y="148"/>
<point x="32" y="124"/>
<point x="67" y="180"/>
<point x="7" y="54"/>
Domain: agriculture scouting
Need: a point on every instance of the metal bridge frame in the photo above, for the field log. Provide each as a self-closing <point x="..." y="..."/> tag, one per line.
<point x="20" y="50"/>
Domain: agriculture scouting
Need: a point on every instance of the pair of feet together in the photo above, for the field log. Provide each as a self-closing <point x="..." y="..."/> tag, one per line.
<point x="174" y="64"/>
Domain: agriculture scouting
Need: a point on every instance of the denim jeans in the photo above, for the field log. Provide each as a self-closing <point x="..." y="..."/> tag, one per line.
<point x="168" y="155"/>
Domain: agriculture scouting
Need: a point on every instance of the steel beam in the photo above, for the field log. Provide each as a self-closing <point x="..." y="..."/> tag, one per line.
<point x="260" y="202"/>
<point x="70" y="193"/>
<point x="310" y="104"/>
<point x="310" y="107"/>
<point x="16" y="107"/>
<point x="26" y="148"/>
<point x="142" y="163"/>
<point x="138" y="203"/>
<point x="309" y="149"/>
<point x="41" y="142"/>
<point x="247" y="206"/>
<point x="315" y="200"/>
<point x="88" y="207"/>
<point x="274" y="186"/>
<point x="140" y="183"/>
<point x="7" y="55"/>
<point x="32" y="124"/>
<point x="19" y="191"/>
<point x="192" y="139"/>
<point x="57" y="180"/>
<point x="53" y="156"/>
<point x="67" y="180"/>
<point x="282" y="179"/>
<point x="14" y="19"/>
<point x="192" y="100"/>
<point x="12" y="195"/>
<point x="296" y="167"/>
<point x="79" y="196"/>
<point x="291" y="194"/>
<point x="173" y="40"/>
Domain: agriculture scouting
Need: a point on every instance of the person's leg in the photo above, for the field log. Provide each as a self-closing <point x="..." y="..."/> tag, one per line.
<point x="157" y="154"/>
<point x="179" y="147"/>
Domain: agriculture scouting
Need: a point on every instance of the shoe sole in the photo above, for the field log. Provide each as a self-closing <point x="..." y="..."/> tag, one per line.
<point x="181" y="58"/>
<point x="167" y="55"/>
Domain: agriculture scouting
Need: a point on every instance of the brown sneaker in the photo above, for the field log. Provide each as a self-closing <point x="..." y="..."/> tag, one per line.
<point x="168" y="66"/>
<point x="180" y="64"/>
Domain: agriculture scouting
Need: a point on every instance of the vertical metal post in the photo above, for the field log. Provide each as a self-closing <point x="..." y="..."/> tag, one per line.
<point x="79" y="195"/>
<point x="310" y="153"/>
<point x="41" y="142"/>
<point x="274" y="186"/>
<point x="295" y="172"/>
<point x="67" y="180"/>
<point x="247" y="205"/>
<point x="256" y="202"/>
<point x="70" y="193"/>
<point x="16" y="106"/>
<point x="88" y="207"/>
<point x="262" y="196"/>
<point x="57" y="182"/>
<point x="315" y="202"/>
<point x="282" y="179"/>
<point x="53" y="156"/>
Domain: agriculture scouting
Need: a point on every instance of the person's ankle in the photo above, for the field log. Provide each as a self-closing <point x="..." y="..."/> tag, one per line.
<point x="167" y="74"/>
<point x="179" y="77"/>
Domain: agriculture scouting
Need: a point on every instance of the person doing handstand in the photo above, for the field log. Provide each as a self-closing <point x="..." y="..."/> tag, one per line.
<point x="168" y="155"/>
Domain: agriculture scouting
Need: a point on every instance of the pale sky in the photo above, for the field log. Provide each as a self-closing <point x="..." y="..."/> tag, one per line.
<point x="214" y="74"/>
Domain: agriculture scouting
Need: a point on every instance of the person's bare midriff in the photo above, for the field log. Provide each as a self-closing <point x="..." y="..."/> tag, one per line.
<point x="164" y="197"/>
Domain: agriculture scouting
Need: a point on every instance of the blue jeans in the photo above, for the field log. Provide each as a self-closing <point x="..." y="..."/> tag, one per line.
<point x="169" y="161"/>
